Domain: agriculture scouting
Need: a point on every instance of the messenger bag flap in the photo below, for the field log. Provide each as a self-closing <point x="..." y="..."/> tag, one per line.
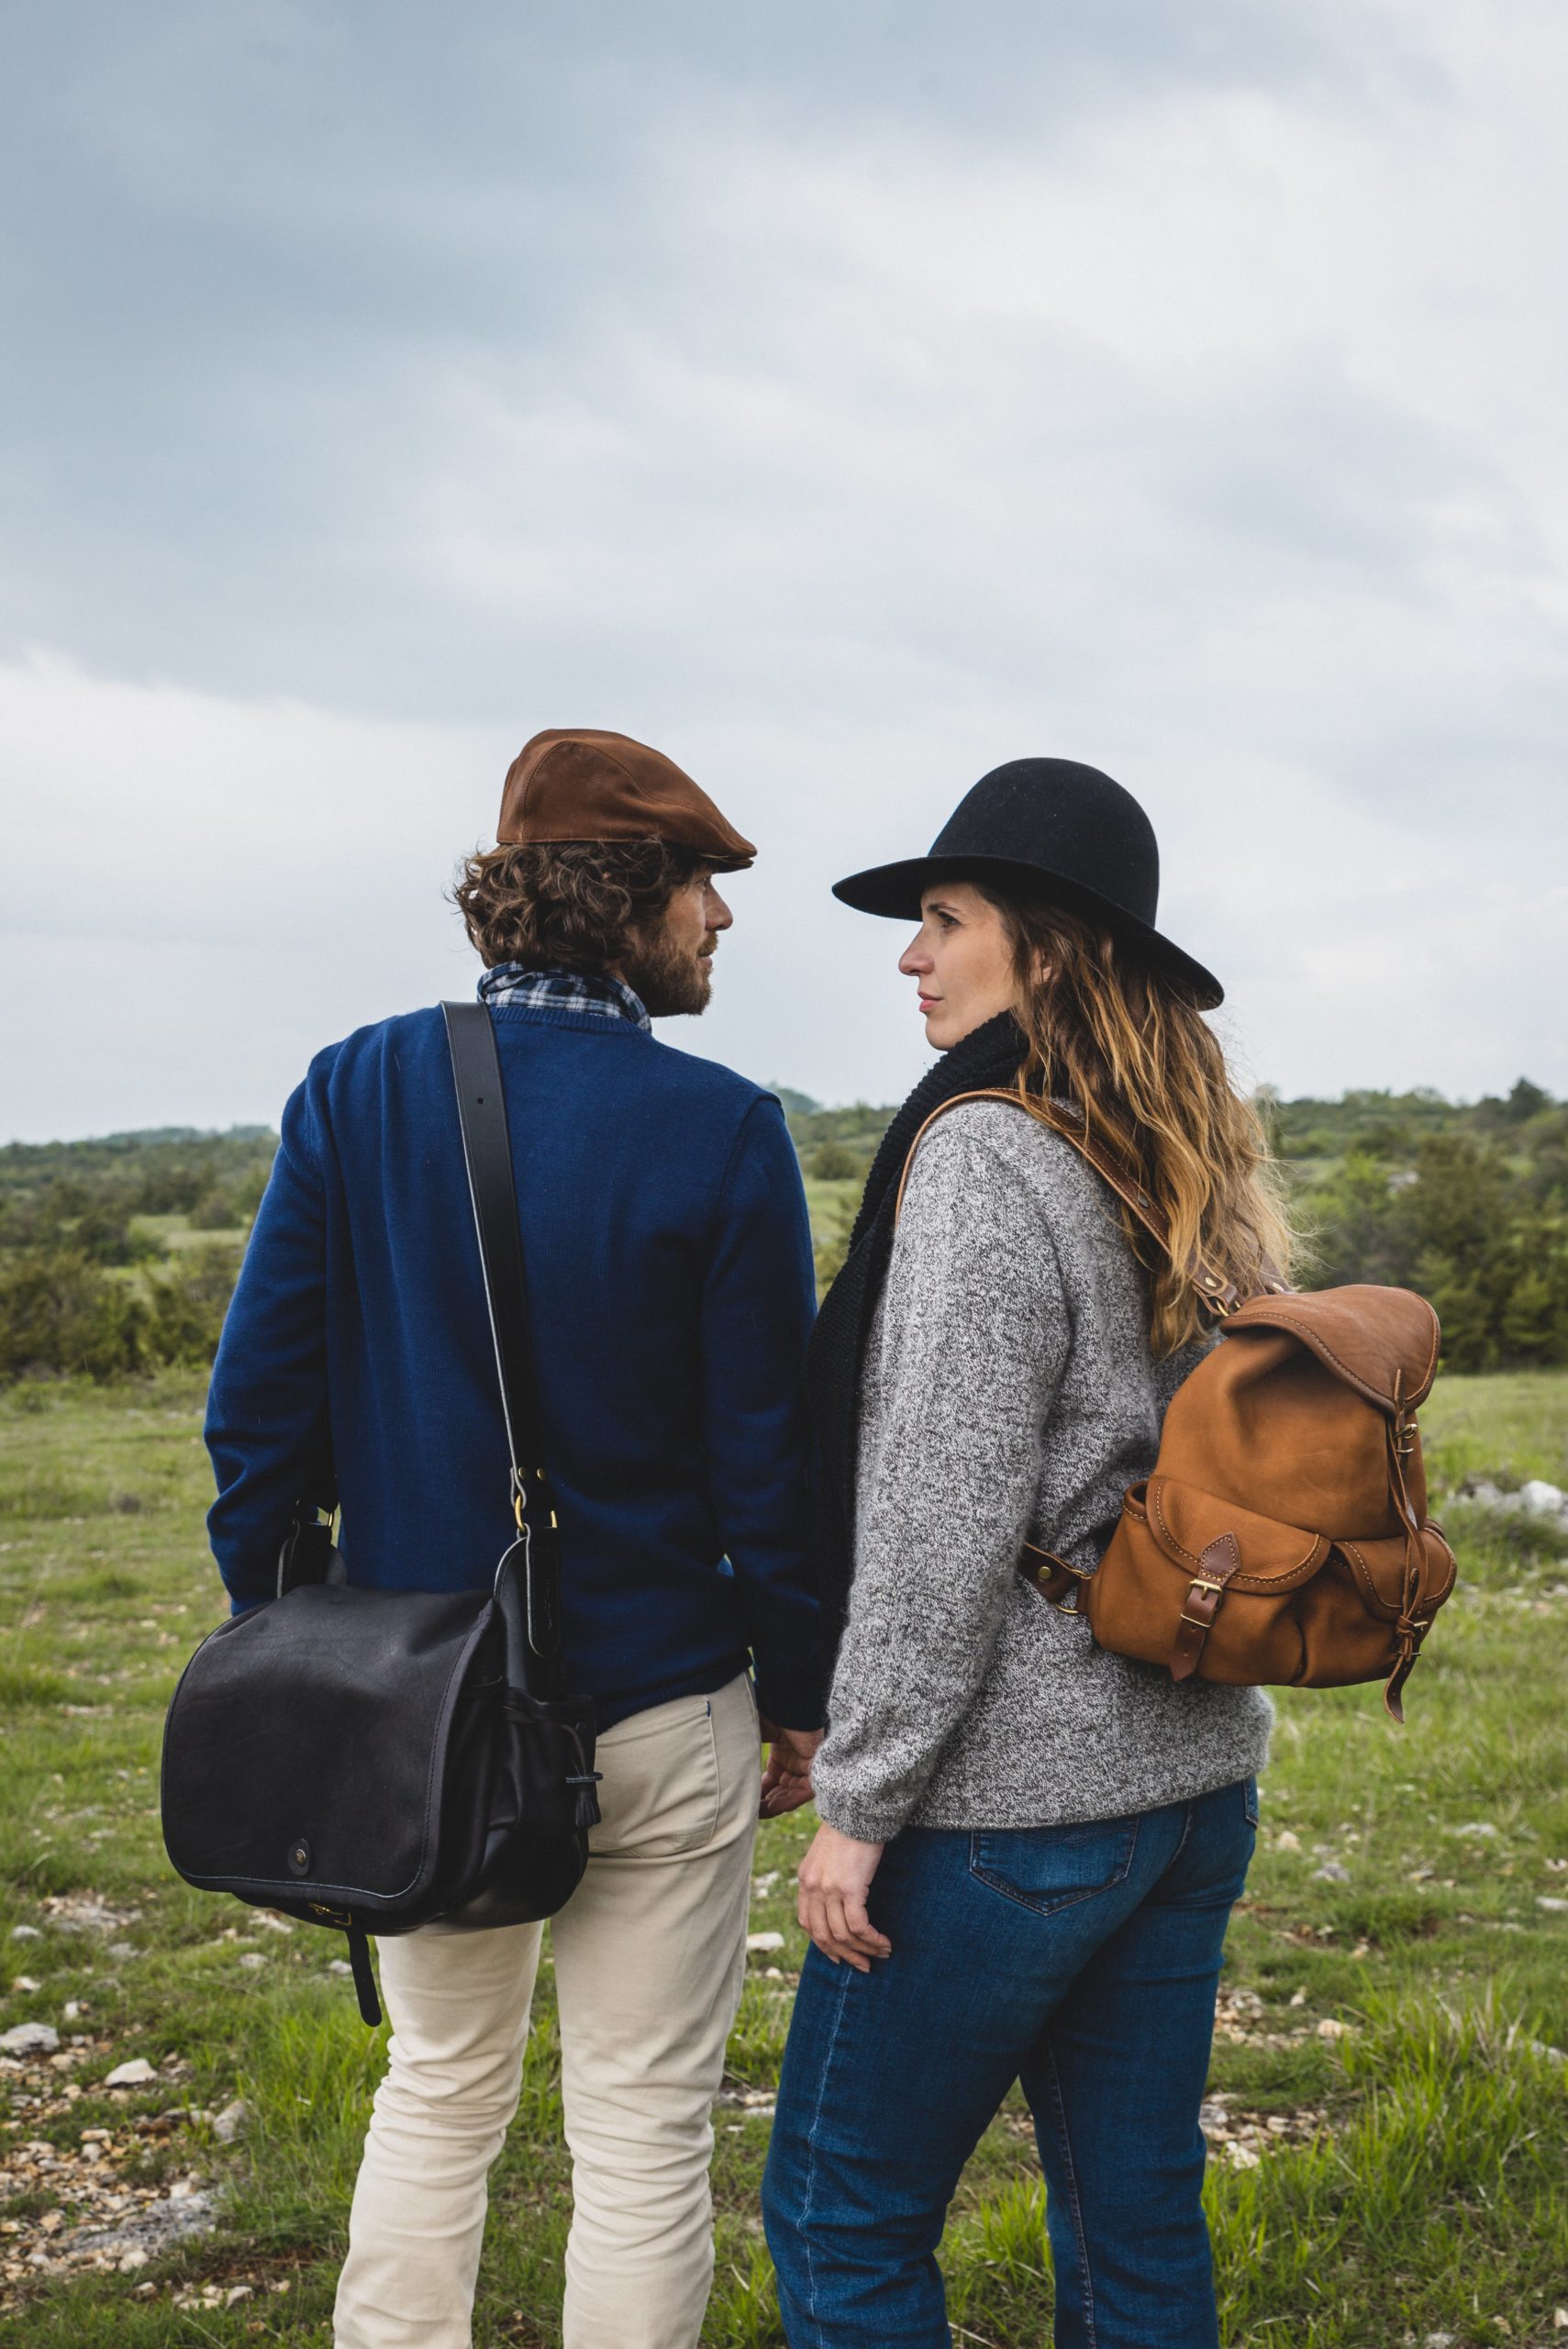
<point x="308" y="1741"/>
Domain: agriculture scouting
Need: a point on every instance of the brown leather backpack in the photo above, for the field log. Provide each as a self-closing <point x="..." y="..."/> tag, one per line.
<point x="1283" y="1538"/>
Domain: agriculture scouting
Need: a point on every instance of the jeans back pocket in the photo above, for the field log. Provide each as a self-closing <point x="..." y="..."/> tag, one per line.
<point x="1048" y="1868"/>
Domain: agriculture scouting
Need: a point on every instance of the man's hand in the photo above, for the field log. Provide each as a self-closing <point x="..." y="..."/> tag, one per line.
<point x="835" y="1879"/>
<point x="786" y="1781"/>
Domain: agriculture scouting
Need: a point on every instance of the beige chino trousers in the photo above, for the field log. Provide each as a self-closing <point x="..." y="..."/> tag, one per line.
<point x="649" y="1955"/>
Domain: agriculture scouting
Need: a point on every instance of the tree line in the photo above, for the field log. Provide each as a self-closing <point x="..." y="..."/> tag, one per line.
<point x="1469" y="1207"/>
<point x="120" y="1255"/>
<point x="1466" y="1202"/>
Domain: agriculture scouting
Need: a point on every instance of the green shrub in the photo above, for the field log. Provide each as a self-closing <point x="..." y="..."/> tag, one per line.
<point x="1485" y="1243"/>
<point x="189" y="1302"/>
<point x="61" y="1316"/>
<point x="215" y="1211"/>
<point x="835" y="1161"/>
<point x="60" y="1313"/>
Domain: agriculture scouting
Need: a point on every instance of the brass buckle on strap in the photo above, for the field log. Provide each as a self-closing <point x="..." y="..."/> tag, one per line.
<point x="1041" y="1568"/>
<point x="1202" y="1622"/>
<point x="1069" y="1606"/>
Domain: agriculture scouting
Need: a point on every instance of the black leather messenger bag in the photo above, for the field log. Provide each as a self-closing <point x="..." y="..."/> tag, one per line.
<point x="376" y="1760"/>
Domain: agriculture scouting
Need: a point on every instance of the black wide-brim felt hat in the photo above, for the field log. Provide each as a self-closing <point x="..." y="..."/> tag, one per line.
<point x="1057" y="832"/>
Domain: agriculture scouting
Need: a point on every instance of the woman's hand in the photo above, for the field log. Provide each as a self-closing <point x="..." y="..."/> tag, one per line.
<point x="835" y="1877"/>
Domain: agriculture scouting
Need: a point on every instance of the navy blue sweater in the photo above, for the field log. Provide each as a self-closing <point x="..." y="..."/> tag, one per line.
<point x="669" y="1284"/>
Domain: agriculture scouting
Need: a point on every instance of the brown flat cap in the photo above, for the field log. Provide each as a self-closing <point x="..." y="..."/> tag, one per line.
<point x="572" y="783"/>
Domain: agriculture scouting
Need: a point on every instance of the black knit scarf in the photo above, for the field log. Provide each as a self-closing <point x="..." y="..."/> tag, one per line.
<point x="991" y="1055"/>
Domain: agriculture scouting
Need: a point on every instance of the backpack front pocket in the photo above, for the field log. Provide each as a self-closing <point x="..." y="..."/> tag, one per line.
<point x="1204" y="1586"/>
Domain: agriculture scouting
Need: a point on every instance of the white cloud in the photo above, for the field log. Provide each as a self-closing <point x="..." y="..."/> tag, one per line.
<point x="1180" y="397"/>
<point x="206" y="891"/>
<point x="202" y="892"/>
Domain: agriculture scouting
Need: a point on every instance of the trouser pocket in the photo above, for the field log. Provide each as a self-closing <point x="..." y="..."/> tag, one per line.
<point x="659" y="1794"/>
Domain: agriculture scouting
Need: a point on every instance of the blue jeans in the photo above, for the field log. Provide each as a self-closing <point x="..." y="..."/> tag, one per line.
<point x="1080" y="1961"/>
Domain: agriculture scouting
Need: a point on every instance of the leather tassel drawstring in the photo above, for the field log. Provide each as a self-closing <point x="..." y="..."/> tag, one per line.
<point x="1410" y="1637"/>
<point x="1401" y="1434"/>
<point x="587" y="1813"/>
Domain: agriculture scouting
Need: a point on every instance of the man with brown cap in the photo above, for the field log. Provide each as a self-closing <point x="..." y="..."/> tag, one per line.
<point x="669" y="1280"/>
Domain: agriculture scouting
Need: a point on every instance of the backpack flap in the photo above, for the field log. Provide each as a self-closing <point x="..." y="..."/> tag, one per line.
<point x="1383" y="1343"/>
<point x="314" y="1745"/>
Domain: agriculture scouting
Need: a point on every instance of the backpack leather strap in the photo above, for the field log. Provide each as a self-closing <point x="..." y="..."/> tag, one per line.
<point x="1053" y="1577"/>
<point x="1217" y="1294"/>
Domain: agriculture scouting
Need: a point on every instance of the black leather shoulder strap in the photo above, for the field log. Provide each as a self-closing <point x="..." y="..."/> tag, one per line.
<point x="487" y="1153"/>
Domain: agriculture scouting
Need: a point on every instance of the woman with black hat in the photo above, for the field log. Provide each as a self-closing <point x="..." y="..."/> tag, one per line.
<point x="1029" y="1846"/>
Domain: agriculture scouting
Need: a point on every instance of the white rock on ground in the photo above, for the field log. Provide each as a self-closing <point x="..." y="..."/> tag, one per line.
<point x="79" y="1913"/>
<point x="153" y="2232"/>
<point x="1536" y="1498"/>
<point x="133" y="2074"/>
<point x="29" y="2039"/>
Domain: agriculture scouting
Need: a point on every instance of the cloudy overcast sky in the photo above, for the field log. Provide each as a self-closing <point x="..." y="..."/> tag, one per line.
<point x="844" y="398"/>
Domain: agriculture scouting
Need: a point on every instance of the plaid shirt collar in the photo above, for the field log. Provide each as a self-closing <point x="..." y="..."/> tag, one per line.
<point x="597" y="996"/>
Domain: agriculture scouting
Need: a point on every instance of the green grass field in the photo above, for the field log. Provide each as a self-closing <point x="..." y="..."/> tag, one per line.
<point x="1389" y="2119"/>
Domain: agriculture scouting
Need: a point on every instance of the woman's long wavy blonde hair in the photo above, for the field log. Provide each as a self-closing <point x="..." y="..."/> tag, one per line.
<point x="1149" y="1075"/>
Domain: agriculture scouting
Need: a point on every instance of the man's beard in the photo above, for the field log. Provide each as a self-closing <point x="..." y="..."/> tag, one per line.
<point x="669" y="979"/>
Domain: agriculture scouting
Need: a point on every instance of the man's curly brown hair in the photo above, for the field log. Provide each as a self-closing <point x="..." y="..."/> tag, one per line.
<point x="569" y="904"/>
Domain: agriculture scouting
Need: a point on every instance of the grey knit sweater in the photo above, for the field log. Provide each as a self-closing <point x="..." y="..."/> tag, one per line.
<point x="1009" y="1393"/>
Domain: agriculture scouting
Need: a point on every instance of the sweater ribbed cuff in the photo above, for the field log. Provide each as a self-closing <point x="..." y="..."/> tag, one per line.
<point x="868" y="1823"/>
